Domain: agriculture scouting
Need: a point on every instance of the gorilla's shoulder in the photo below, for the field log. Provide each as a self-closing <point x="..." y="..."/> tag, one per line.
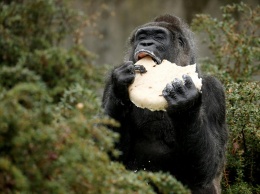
<point x="211" y="81"/>
<point x="212" y="85"/>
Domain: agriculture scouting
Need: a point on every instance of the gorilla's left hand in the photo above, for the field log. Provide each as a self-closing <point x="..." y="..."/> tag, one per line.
<point x="181" y="96"/>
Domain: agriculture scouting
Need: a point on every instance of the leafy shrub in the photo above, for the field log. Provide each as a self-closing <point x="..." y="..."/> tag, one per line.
<point x="234" y="42"/>
<point x="53" y="137"/>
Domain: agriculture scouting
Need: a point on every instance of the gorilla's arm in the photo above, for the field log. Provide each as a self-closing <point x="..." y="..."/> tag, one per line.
<point x="116" y="101"/>
<point x="201" y="133"/>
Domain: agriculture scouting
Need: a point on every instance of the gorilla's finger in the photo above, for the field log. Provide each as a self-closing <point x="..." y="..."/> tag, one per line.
<point x="188" y="81"/>
<point x="169" y="98"/>
<point x="168" y="91"/>
<point x="131" y="68"/>
<point x="140" y="68"/>
<point x="178" y="86"/>
<point x="168" y="88"/>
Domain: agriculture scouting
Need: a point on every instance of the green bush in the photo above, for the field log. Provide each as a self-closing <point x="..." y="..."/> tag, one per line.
<point x="234" y="42"/>
<point x="53" y="137"/>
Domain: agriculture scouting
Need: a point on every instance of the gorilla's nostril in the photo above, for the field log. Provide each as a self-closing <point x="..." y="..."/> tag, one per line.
<point x="145" y="43"/>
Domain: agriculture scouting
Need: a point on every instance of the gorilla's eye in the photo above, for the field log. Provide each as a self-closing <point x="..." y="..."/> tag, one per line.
<point x="159" y="37"/>
<point x="141" y="37"/>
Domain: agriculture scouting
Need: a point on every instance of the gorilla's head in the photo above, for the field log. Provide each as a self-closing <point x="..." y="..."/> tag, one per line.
<point x="167" y="37"/>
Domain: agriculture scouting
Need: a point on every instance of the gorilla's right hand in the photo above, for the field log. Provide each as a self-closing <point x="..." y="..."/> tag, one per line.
<point x="122" y="77"/>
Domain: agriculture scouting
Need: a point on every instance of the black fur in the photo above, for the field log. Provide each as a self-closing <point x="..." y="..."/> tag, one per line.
<point x="188" y="140"/>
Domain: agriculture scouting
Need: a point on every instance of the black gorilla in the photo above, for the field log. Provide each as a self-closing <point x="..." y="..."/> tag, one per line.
<point x="188" y="140"/>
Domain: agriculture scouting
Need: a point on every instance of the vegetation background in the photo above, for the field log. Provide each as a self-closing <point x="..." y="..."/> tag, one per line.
<point x="53" y="137"/>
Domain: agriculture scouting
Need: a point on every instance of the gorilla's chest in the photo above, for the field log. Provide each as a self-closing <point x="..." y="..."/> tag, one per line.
<point x="151" y="125"/>
<point x="153" y="139"/>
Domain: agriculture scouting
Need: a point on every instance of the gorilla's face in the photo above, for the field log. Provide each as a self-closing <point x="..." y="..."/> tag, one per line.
<point x="161" y="43"/>
<point x="153" y="41"/>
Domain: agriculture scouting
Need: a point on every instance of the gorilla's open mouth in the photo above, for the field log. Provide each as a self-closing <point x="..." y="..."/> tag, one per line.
<point x="143" y="53"/>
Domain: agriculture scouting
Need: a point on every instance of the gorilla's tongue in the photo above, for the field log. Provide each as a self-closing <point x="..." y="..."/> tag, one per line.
<point x="142" y="55"/>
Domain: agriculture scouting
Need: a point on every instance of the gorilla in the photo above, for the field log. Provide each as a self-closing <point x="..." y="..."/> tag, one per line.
<point x="187" y="140"/>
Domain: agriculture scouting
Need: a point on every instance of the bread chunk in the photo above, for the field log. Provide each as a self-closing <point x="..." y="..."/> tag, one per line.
<point x="146" y="90"/>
